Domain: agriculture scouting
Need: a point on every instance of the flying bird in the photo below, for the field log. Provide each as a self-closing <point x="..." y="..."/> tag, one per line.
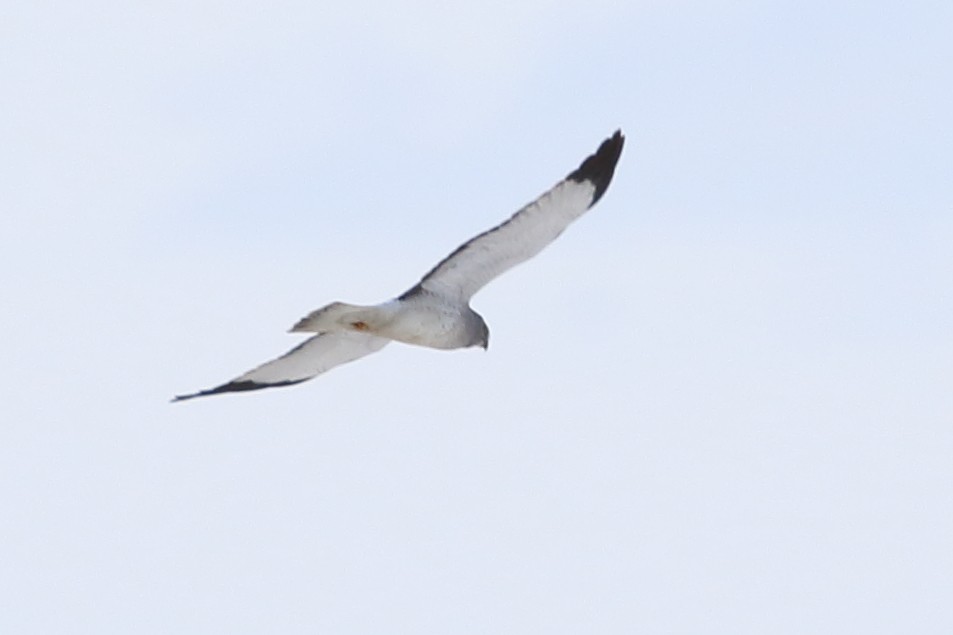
<point x="436" y="311"/>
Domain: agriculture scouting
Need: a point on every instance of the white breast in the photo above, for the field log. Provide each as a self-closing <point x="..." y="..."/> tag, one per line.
<point x="423" y="322"/>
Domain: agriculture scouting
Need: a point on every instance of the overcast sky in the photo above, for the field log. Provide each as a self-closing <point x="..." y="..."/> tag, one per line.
<point x="720" y="403"/>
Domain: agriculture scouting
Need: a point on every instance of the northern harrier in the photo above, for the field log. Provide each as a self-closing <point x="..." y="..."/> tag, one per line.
<point x="436" y="311"/>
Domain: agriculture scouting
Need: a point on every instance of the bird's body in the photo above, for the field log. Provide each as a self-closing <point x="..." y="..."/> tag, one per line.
<point x="436" y="311"/>
<point x="422" y="319"/>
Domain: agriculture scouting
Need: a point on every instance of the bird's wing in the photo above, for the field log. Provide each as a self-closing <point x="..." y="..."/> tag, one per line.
<point x="527" y="232"/>
<point x="309" y="359"/>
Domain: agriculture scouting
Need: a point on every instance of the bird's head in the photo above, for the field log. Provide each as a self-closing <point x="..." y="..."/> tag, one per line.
<point x="479" y="331"/>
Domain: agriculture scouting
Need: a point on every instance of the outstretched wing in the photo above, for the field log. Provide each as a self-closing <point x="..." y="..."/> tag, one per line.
<point x="307" y="360"/>
<point x="527" y="232"/>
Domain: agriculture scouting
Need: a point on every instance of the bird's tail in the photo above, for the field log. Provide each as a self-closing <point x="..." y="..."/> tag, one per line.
<point x="337" y="316"/>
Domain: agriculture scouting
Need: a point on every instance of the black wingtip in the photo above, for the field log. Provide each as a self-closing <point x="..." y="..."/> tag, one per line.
<point x="236" y="386"/>
<point x="599" y="167"/>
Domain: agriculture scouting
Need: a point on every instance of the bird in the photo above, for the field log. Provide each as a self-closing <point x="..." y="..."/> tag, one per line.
<point x="436" y="311"/>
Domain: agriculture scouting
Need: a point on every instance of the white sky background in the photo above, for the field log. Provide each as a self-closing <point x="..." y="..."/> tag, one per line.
<point x="720" y="403"/>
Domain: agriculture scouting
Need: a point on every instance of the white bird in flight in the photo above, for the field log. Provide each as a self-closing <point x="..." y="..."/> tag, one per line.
<point x="436" y="311"/>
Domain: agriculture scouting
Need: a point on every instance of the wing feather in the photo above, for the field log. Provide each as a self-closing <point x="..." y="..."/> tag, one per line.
<point x="305" y="361"/>
<point x="484" y="257"/>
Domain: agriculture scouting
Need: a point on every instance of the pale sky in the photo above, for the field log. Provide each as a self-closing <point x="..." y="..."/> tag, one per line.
<point x="720" y="403"/>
